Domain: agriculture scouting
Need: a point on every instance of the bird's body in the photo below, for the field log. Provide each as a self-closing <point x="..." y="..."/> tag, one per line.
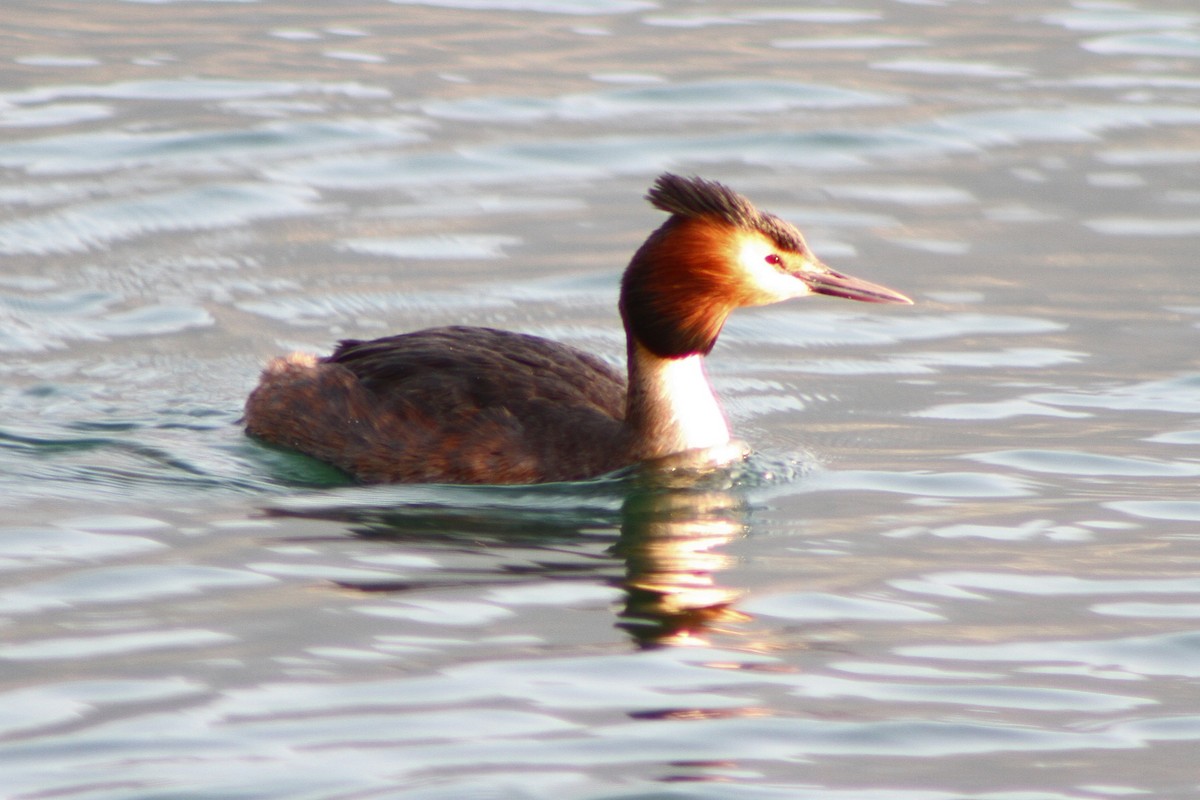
<point x="478" y="405"/>
<point x="451" y="405"/>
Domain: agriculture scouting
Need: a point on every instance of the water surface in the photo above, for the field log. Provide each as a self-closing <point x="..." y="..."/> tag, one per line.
<point x="962" y="563"/>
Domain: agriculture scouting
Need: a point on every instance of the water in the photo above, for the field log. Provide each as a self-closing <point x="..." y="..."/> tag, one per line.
<point x="962" y="563"/>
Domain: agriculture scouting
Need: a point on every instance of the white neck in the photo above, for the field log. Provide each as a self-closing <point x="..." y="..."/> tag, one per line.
<point x="671" y="404"/>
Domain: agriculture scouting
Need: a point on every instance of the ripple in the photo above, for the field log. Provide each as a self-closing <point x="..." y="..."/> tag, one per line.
<point x="973" y="324"/>
<point x="747" y="402"/>
<point x="109" y="460"/>
<point x="630" y="680"/>
<point x="190" y="90"/>
<point x="676" y="100"/>
<point x="914" y="195"/>
<point x="1150" y="158"/>
<point x="1163" y="654"/>
<point x="790" y="328"/>
<point x="982" y="695"/>
<point x="600" y="158"/>
<point x="1117" y="17"/>
<point x="555" y="594"/>
<point x="1033" y="529"/>
<point x="1071" y="123"/>
<point x="322" y="572"/>
<point x="823" y="607"/>
<point x="1180" y="510"/>
<point x="846" y="43"/>
<point x="828" y="217"/>
<point x="825" y="16"/>
<point x="305" y="309"/>
<point x="1146" y="81"/>
<point x="861" y="366"/>
<point x="355" y="56"/>
<point x="31" y="709"/>
<point x="1073" y="462"/>
<point x="27" y="547"/>
<point x="124" y="584"/>
<point x="1188" y="437"/>
<point x="439" y="612"/>
<point x="908" y="670"/>
<point x="775" y="738"/>
<point x="1149" y="610"/>
<point x="573" y="7"/>
<point x="359" y="729"/>
<point x="1178" y="727"/>
<point x="921" y="484"/>
<point x="434" y="247"/>
<point x="928" y="362"/>
<point x="57" y="61"/>
<point x="957" y="68"/>
<point x="48" y="321"/>
<point x="1164" y="44"/>
<point x="74" y="648"/>
<point x="58" y="703"/>
<point x="87" y="226"/>
<point x="115" y="522"/>
<point x="998" y="409"/>
<point x="295" y="35"/>
<point x="942" y="247"/>
<point x="1145" y="226"/>
<point x="1046" y="584"/>
<point x="1180" y="395"/>
<point x="104" y="151"/>
<point x="582" y="160"/>
<point x="595" y="502"/>
<point x="56" y="114"/>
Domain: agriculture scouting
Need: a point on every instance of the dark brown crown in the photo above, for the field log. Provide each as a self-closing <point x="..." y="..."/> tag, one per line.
<point x="697" y="197"/>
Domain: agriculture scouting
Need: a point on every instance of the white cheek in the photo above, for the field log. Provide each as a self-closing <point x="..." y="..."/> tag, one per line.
<point x="765" y="283"/>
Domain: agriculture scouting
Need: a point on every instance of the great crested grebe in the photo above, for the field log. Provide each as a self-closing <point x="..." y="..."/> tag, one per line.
<point x="478" y="405"/>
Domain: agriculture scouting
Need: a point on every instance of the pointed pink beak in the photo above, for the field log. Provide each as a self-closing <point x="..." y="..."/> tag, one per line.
<point x="823" y="280"/>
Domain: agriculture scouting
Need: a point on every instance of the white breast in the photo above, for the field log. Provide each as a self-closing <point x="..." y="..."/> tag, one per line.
<point x="680" y="410"/>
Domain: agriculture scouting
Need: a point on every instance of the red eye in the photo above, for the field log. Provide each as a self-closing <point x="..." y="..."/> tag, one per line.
<point x="774" y="260"/>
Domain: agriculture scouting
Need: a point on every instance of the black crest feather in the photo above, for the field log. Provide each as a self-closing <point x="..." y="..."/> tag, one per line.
<point x="698" y="197"/>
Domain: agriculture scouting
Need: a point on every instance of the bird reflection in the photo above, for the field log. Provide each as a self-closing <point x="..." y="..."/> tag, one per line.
<point x="671" y="522"/>
<point x="671" y="540"/>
